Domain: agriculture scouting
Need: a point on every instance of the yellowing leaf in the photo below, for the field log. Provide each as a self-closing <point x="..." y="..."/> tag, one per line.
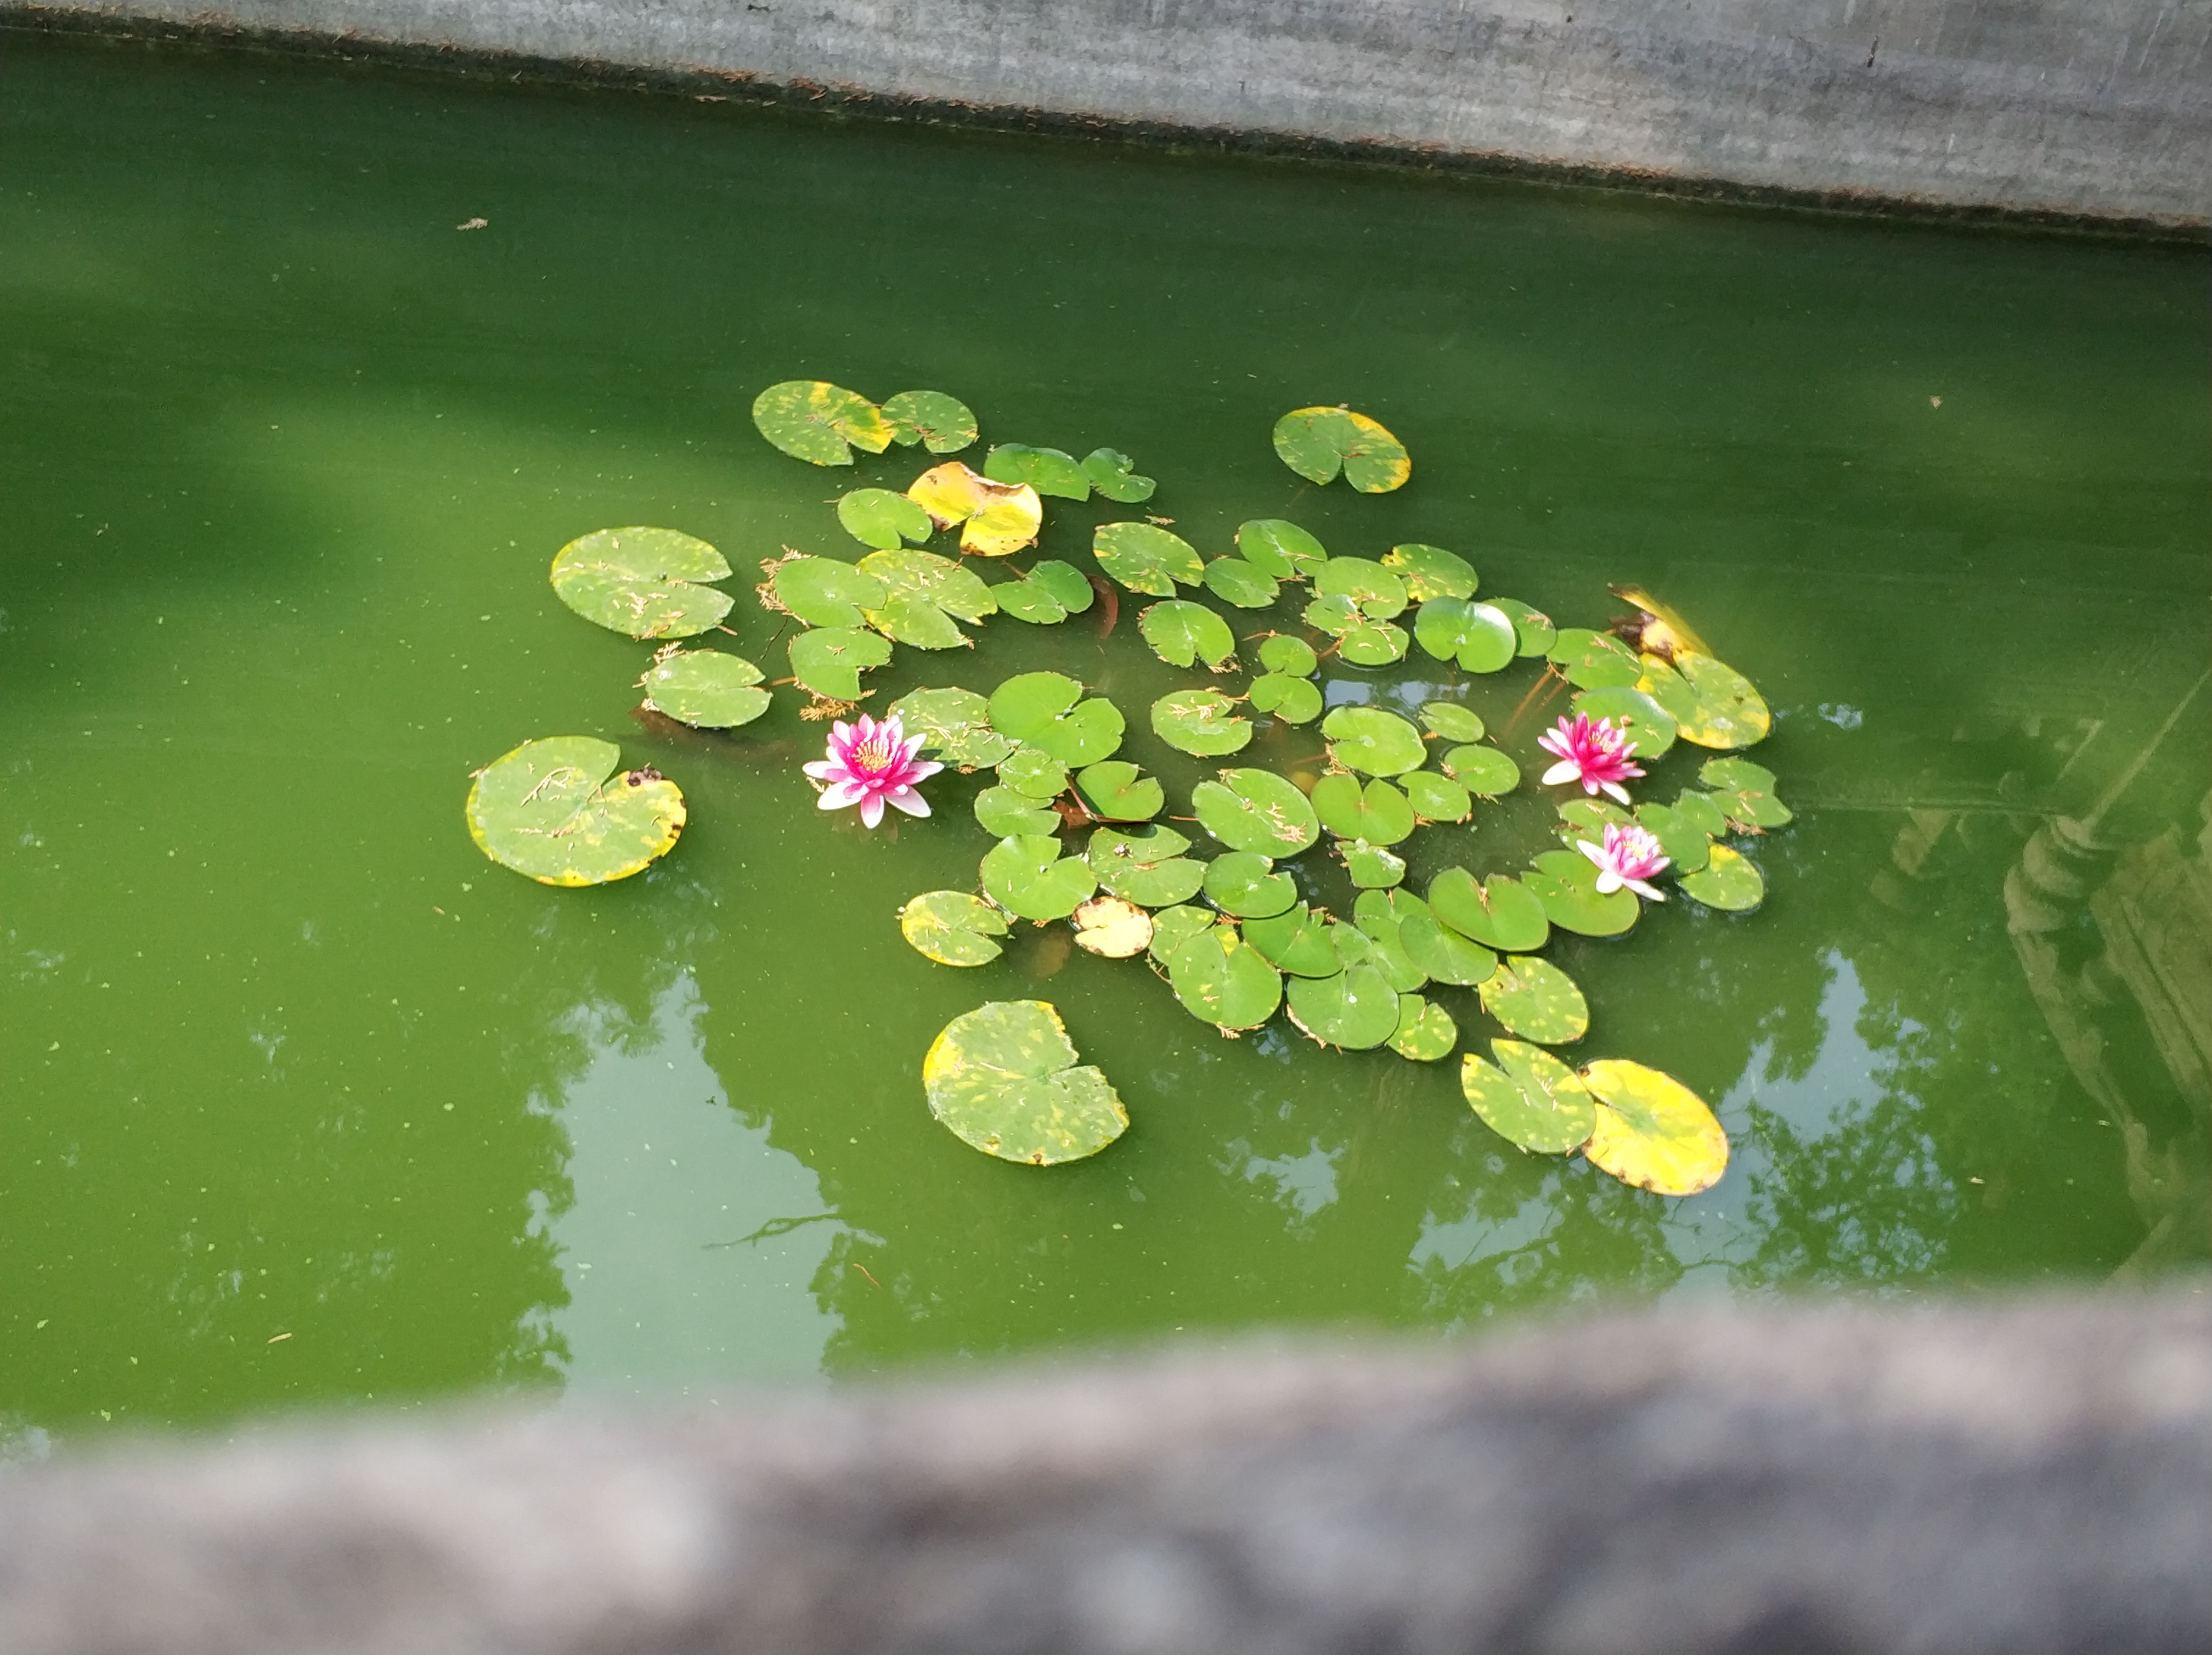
<point x="1112" y="929"/>
<point x="997" y="519"/>
<point x="1652" y="1131"/>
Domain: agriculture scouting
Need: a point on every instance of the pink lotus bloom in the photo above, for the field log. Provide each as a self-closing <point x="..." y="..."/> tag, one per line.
<point x="1596" y="755"/>
<point x="1629" y="856"/>
<point x="871" y="765"/>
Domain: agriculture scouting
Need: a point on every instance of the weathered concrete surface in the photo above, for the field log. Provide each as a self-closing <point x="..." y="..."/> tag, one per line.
<point x="2031" y="1478"/>
<point x="2088" y="108"/>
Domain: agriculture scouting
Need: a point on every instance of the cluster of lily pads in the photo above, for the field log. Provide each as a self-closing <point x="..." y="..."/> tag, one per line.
<point x="1077" y="830"/>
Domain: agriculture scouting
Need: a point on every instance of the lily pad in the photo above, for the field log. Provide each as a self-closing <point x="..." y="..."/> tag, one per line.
<point x="1436" y="798"/>
<point x="1376" y="813"/>
<point x="1652" y="1131"/>
<point x="1280" y="548"/>
<point x="1356" y="1009"/>
<point x="643" y="582"/>
<point x="1433" y="572"/>
<point x="1048" y="711"/>
<point x="1004" y="813"/>
<point x="1482" y="770"/>
<point x="1295" y="701"/>
<point x="1033" y="773"/>
<point x="1443" y="953"/>
<point x="1499" y="912"/>
<point x="1425" y="1033"/>
<point x="1477" y="637"/>
<point x="883" y="519"/>
<point x="1452" y="722"/>
<point x="1687" y="847"/>
<point x="1223" y="980"/>
<point x="941" y="423"/>
<point x="1148" y="867"/>
<point x="1378" y="592"/>
<point x="955" y="724"/>
<point x="953" y="928"/>
<point x="1069" y="587"/>
<point x="829" y="660"/>
<point x="1371" y="643"/>
<point x="1295" y="941"/>
<point x="1173" y="927"/>
<point x="923" y="593"/>
<point x="1245" y="883"/>
<point x="1703" y="811"/>
<point x="1565" y="882"/>
<point x="1318" y="443"/>
<point x="1004" y="1078"/>
<point x="1649" y="724"/>
<point x="1047" y="595"/>
<point x="1182" y="633"/>
<point x="1113" y="474"/>
<point x="1201" y="721"/>
<point x="1529" y="1097"/>
<point x="1112" y="929"/>
<point x="1535" y="1000"/>
<point x="1371" y="867"/>
<point x="1387" y="953"/>
<point x="1585" y="817"/>
<point x="996" y="519"/>
<point x="1245" y="585"/>
<point x="1046" y="470"/>
<point x="821" y="591"/>
<point x="1373" y="741"/>
<point x="1714" y="704"/>
<point x="705" y="689"/>
<point x="1593" y="661"/>
<point x="1256" y="811"/>
<point x="1025" y="874"/>
<point x="1533" y="630"/>
<point x="1729" y="881"/>
<point x="820" y="423"/>
<point x="1745" y="793"/>
<point x="1116" y="791"/>
<point x="1145" y="557"/>
<point x="558" y="811"/>
<point x="1292" y="657"/>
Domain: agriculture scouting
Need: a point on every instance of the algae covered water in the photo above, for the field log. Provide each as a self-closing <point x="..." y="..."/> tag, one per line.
<point x="305" y="1101"/>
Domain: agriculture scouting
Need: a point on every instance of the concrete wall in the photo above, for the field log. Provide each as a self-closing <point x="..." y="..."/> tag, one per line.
<point x="2096" y="109"/>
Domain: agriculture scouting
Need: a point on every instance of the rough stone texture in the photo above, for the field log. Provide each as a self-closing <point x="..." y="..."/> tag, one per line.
<point x="2028" y="1478"/>
<point x="2081" y="108"/>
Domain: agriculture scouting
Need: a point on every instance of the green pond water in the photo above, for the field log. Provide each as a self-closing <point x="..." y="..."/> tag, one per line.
<point x="306" y="1102"/>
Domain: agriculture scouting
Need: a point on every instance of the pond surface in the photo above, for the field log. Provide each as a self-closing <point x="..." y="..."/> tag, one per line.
<point x="305" y="1101"/>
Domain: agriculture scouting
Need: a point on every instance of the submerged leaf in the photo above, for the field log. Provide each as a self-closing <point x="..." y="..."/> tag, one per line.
<point x="1034" y="774"/>
<point x="1652" y="1131"/>
<point x="555" y="810"/>
<point x="1145" y="557"/>
<point x="944" y="424"/>
<point x="705" y="689"/>
<point x="829" y="660"/>
<point x="1112" y="929"/>
<point x="1182" y="633"/>
<point x="996" y="519"/>
<point x="953" y="928"/>
<point x="1256" y="811"/>
<point x="643" y="582"/>
<point x="820" y="423"/>
<point x="1201" y="721"/>
<point x="1319" y="443"/>
<point x="1005" y="1080"/>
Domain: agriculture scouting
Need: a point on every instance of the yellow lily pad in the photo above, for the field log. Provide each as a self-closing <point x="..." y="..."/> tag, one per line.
<point x="1112" y="929"/>
<point x="1003" y="1079"/>
<point x="1652" y="1131"/>
<point x="996" y="519"/>
<point x="556" y="811"/>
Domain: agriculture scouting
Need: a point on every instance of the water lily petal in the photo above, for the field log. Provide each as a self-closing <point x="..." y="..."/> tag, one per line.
<point x="1613" y="787"/>
<point x="1565" y="771"/>
<point x="826" y="769"/>
<point x="1608" y="881"/>
<point x="908" y="800"/>
<point x="1594" y="853"/>
<point x="841" y="793"/>
<point x="1642" y="890"/>
<point x="923" y="770"/>
<point x="872" y="809"/>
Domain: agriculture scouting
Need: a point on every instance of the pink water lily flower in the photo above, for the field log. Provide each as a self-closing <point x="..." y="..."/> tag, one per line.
<point x="1596" y="755"/>
<point x="871" y="765"/>
<point x="1629" y="856"/>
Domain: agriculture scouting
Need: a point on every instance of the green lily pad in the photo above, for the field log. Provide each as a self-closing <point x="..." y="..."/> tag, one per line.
<point x="1372" y="867"/>
<point x="944" y="424"/>
<point x="1386" y="951"/>
<point x="1442" y="952"/>
<point x="1318" y="443"/>
<point x="955" y="724"/>
<point x="923" y="593"/>
<point x="1004" y="813"/>
<point x="821" y="591"/>
<point x="1651" y="726"/>
<point x="1453" y="722"/>
<point x="1223" y="980"/>
<point x="1373" y="741"/>
<point x="1113" y="474"/>
<point x="1004" y="1079"/>
<point x="1436" y="798"/>
<point x="1356" y="1009"/>
<point x="1173" y="927"/>
<point x="1069" y="587"/>
<point x="1046" y="470"/>
<point x="1245" y="585"/>
<point x="1652" y="1131"/>
<point x="643" y="582"/>
<point x="1047" y="711"/>
<point x="1244" y="883"/>
<point x="1295" y="701"/>
<point x="1535" y="1000"/>
<point x="883" y="519"/>
<point x="1201" y="721"/>
<point x="829" y="660"/>
<point x="1377" y="812"/>
<point x="1483" y="771"/>
<point x="820" y="423"/>
<point x="1587" y="818"/>
<point x="1148" y="867"/>
<point x="1688" y="848"/>
<point x="1145" y="558"/>
<point x="1182" y="633"/>
<point x="1033" y="773"/>
<point x="1715" y="705"/>
<point x="1478" y="637"/>
<point x="1025" y="874"/>
<point x="1499" y="912"/>
<point x="1729" y="881"/>
<point x="1745" y="793"/>
<point x="1565" y="882"/>
<point x="1703" y="811"/>
<point x="1425" y="1033"/>
<point x="1533" y="631"/>
<point x="1335" y="615"/>
<point x="1282" y="549"/>
<point x="1531" y="1098"/>
<point x="558" y="811"/>
<point x="1295" y="941"/>
<point x="1256" y="811"/>
<point x="1371" y="643"/>
<point x="1116" y="791"/>
<point x="1433" y="572"/>
<point x="952" y="928"/>
<point x="1047" y="595"/>
<point x="1292" y="656"/>
<point x="1378" y="592"/>
<point x="1592" y="660"/>
<point x="705" y="689"/>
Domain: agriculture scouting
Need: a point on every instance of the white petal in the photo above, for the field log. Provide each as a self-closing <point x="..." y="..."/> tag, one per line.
<point x="923" y="770"/>
<point x="909" y="802"/>
<point x="1644" y="891"/>
<point x="912" y="745"/>
<point x="872" y="809"/>
<point x="1565" y="771"/>
<point x="1616" y="790"/>
<point x="825" y="769"/>
<point x="840" y="794"/>
<point x="1592" y="852"/>
<point x="1608" y="882"/>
